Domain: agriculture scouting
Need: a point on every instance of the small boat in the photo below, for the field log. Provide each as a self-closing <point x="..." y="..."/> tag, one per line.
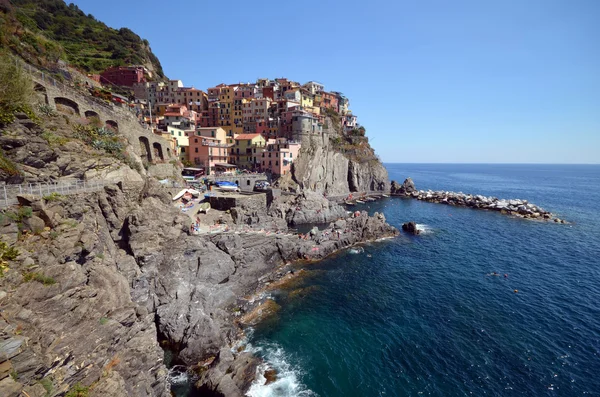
<point x="385" y="195"/>
<point x="227" y="186"/>
<point x="193" y="192"/>
<point x="179" y="195"/>
<point x="359" y="202"/>
<point x="349" y="203"/>
<point x="370" y="199"/>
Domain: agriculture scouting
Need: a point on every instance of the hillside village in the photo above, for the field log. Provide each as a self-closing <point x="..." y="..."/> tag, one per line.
<point x="258" y="127"/>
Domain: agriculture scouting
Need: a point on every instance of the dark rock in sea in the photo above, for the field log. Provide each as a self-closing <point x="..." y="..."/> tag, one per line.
<point x="406" y="189"/>
<point x="411" y="227"/>
<point x="270" y="376"/>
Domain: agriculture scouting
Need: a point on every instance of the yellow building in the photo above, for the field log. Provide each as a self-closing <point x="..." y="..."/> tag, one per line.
<point x="307" y="100"/>
<point x="183" y="142"/>
<point x="247" y="150"/>
<point x="214" y="132"/>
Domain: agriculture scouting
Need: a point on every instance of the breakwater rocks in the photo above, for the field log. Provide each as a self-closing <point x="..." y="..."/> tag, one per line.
<point x="514" y="207"/>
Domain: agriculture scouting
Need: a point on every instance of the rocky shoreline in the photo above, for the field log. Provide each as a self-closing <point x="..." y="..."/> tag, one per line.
<point x="122" y="267"/>
<point x="513" y="207"/>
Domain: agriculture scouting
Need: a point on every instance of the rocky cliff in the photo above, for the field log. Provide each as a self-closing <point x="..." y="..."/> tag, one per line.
<point x="336" y="163"/>
<point x="92" y="284"/>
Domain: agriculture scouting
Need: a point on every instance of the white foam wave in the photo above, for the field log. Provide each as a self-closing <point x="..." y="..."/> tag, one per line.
<point x="178" y="375"/>
<point x="424" y="229"/>
<point x="288" y="382"/>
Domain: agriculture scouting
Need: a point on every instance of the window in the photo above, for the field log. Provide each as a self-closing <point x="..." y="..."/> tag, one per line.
<point x="195" y="140"/>
<point x="269" y="162"/>
<point x="290" y="155"/>
<point x="179" y="133"/>
<point x="277" y="163"/>
<point x="196" y="150"/>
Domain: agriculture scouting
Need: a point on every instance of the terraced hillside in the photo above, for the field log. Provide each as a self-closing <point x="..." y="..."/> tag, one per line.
<point x="46" y="31"/>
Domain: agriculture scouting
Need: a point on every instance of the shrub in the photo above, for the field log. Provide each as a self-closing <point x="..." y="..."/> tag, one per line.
<point x="46" y="110"/>
<point x="48" y="386"/>
<point x="54" y="197"/>
<point x="7" y="165"/>
<point x="6" y="254"/>
<point x="22" y="213"/>
<point x="40" y="278"/>
<point x="101" y="138"/>
<point x="78" y="391"/>
<point x="16" y="87"/>
<point x="53" y="139"/>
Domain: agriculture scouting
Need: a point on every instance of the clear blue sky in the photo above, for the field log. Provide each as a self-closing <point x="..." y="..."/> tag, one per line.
<point x="431" y="80"/>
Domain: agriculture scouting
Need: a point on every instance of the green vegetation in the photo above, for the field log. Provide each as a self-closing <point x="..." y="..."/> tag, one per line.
<point x="6" y="254"/>
<point x="103" y="320"/>
<point x="40" y="278"/>
<point x="19" y="215"/>
<point x="7" y="165"/>
<point x="101" y="138"/>
<point x="78" y="391"/>
<point x="54" y="197"/>
<point x="48" y="386"/>
<point x="46" y="110"/>
<point x="44" y="31"/>
<point x="14" y="375"/>
<point x="53" y="139"/>
<point x="360" y="131"/>
<point x="16" y="90"/>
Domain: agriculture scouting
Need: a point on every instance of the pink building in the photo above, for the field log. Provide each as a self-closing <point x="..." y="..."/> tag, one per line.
<point x="206" y="152"/>
<point x="278" y="156"/>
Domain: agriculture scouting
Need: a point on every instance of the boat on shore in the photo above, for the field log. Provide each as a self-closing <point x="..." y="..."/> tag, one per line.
<point x="227" y="186"/>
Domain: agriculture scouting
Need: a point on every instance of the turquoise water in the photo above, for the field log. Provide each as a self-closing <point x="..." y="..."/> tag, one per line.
<point x="422" y="315"/>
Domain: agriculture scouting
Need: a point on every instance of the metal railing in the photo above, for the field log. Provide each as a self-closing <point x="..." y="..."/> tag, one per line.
<point x="9" y="193"/>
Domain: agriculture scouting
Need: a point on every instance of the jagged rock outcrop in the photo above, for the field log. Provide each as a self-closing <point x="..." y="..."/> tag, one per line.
<point x="67" y="316"/>
<point x="307" y="207"/>
<point x="406" y="189"/>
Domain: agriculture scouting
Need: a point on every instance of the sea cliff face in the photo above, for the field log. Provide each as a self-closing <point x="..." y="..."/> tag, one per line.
<point x="326" y="165"/>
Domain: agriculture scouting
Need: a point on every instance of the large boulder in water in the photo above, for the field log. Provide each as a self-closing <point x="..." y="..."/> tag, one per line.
<point x="406" y="189"/>
<point x="411" y="227"/>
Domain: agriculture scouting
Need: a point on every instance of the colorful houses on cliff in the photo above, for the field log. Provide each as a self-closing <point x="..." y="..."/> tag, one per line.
<point x="256" y="126"/>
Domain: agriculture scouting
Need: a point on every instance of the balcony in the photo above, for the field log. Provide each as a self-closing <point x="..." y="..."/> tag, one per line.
<point x="215" y="144"/>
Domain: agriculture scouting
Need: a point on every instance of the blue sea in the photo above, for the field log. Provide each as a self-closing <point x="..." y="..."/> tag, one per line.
<point x="425" y="316"/>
